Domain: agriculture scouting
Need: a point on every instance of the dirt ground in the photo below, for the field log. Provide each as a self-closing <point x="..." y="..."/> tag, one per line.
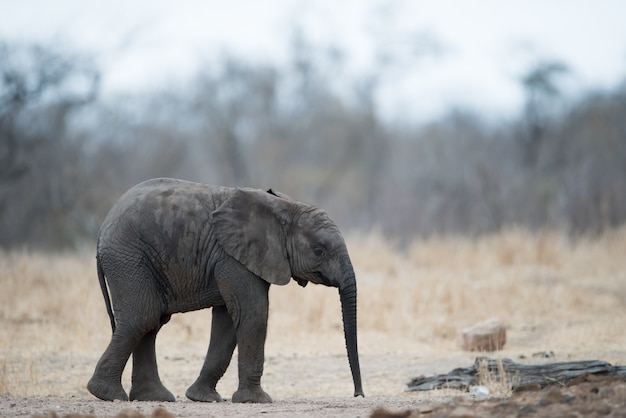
<point x="554" y="294"/>
<point x="331" y="396"/>
<point x="594" y="398"/>
<point x="304" y="386"/>
<point x="589" y="398"/>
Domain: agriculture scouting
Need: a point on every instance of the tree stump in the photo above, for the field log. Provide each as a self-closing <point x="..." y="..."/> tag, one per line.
<point x="489" y="335"/>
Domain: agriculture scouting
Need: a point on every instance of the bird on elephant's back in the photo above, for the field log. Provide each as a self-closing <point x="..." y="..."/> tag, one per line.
<point x="172" y="246"/>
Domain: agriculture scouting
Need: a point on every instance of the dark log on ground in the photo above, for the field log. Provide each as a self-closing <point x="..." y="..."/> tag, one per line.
<point x="519" y="376"/>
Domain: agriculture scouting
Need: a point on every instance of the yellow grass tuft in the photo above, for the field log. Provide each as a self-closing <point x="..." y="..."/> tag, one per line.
<point x="499" y="382"/>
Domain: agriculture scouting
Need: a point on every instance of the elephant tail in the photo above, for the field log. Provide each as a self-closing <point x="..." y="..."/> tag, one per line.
<point x="105" y="292"/>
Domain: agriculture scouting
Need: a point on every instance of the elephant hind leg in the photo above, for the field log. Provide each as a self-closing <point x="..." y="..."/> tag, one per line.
<point x="146" y="383"/>
<point x="106" y="382"/>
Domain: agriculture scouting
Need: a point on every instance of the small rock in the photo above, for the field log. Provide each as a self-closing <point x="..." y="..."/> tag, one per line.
<point x="161" y="412"/>
<point x="525" y="410"/>
<point x="130" y="413"/>
<point x="568" y="397"/>
<point x="479" y="391"/>
<point x="462" y="412"/>
<point x="606" y="392"/>
<point x="550" y="396"/>
<point x="381" y="412"/>
<point x="544" y="354"/>
<point x="426" y="408"/>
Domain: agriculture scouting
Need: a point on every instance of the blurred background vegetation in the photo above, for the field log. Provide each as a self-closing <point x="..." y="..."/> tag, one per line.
<point x="67" y="152"/>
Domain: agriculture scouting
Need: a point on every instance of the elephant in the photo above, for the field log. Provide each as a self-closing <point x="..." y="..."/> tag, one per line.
<point x="169" y="246"/>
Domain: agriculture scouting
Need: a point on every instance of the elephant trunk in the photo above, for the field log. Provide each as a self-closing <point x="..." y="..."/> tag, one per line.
<point x="347" y="293"/>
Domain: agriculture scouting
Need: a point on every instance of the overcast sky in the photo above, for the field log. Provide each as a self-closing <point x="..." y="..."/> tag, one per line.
<point x="453" y="53"/>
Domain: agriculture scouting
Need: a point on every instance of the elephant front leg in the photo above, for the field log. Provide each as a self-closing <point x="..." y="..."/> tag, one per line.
<point x="221" y="347"/>
<point x="251" y="358"/>
<point x="251" y="332"/>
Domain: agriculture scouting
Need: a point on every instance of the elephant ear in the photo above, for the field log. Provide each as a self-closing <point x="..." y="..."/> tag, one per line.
<point x="248" y="228"/>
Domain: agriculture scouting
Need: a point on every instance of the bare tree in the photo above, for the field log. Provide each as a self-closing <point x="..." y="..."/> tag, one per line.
<point x="38" y="92"/>
<point x="308" y="129"/>
<point x="236" y="103"/>
<point x="542" y="91"/>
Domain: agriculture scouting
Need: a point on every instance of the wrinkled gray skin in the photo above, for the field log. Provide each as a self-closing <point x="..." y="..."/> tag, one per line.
<point x="172" y="246"/>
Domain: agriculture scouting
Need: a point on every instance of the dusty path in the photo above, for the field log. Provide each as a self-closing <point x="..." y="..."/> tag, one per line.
<point x="305" y="407"/>
<point x="300" y="385"/>
<point x="591" y="398"/>
<point x="310" y="386"/>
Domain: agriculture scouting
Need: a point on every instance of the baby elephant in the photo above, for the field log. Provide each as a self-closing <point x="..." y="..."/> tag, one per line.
<point x="172" y="246"/>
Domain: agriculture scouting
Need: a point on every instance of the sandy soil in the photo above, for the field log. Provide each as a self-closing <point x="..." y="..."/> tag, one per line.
<point x="305" y="407"/>
<point x="553" y="294"/>
<point x="288" y="379"/>
<point x="594" y="398"/>
<point x="300" y="385"/>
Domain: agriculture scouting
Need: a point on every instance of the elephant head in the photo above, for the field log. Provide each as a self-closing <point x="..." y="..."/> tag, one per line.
<point x="277" y="238"/>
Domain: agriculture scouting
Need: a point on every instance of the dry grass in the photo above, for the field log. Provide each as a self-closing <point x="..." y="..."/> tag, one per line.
<point x="554" y="294"/>
<point x="499" y="383"/>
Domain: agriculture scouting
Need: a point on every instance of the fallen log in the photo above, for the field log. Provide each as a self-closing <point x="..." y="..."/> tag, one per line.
<point x="519" y="376"/>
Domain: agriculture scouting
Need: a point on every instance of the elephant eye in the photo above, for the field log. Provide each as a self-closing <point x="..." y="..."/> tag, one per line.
<point x="318" y="252"/>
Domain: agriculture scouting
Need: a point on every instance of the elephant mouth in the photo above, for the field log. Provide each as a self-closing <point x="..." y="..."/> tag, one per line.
<point x="321" y="279"/>
<point x="316" y="277"/>
<point x="301" y="282"/>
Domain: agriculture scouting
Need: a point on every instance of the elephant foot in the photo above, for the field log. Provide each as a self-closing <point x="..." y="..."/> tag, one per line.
<point x="202" y="393"/>
<point x="106" y="390"/>
<point x="254" y="395"/>
<point x="151" y="391"/>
